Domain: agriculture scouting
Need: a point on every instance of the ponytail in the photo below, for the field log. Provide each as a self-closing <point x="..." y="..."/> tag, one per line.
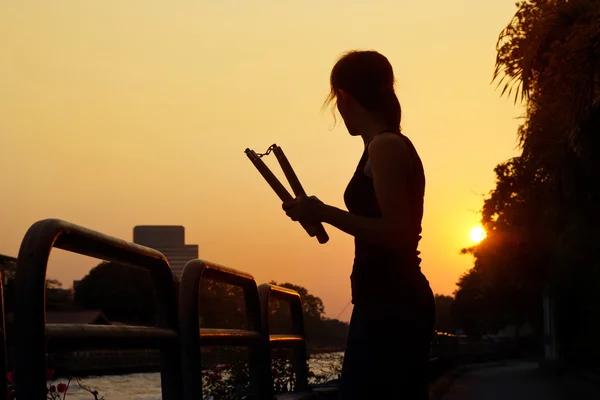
<point x="389" y="106"/>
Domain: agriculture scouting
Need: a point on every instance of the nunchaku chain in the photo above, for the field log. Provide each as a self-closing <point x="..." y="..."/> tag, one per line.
<point x="256" y="158"/>
<point x="266" y="153"/>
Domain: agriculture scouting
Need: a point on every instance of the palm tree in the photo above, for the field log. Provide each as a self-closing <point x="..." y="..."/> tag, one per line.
<point x="549" y="57"/>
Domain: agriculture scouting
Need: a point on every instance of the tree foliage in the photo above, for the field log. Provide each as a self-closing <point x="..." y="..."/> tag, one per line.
<point x="504" y="285"/>
<point x="550" y="54"/>
<point x="541" y="218"/>
<point x="444" y="318"/>
<point x="123" y="293"/>
<point x="55" y="295"/>
<point x="320" y="331"/>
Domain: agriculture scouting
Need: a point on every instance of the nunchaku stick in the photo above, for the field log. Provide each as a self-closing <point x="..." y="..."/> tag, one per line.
<point x="280" y="190"/>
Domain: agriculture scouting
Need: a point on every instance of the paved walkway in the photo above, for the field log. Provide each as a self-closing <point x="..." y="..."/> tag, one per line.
<point x="515" y="380"/>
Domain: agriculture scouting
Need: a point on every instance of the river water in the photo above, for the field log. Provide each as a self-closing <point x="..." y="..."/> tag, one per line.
<point x="147" y="386"/>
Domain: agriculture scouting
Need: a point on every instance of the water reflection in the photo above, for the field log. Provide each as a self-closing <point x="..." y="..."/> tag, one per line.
<point x="147" y="386"/>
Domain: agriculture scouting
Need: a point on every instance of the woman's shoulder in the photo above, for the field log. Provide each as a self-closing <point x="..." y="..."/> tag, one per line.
<point x="388" y="143"/>
<point x="390" y="151"/>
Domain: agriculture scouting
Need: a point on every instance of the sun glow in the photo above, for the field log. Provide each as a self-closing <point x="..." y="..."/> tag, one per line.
<point x="477" y="234"/>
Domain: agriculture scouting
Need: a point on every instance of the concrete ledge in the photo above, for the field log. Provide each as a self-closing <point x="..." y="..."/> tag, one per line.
<point x="319" y="392"/>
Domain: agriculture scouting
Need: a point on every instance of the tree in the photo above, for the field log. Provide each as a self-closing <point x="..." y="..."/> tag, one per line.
<point x="123" y="293"/>
<point x="542" y="216"/>
<point x="312" y="305"/>
<point x="320" y="331"/>
<point x="444" y="318"/>
<point x="55" y="295"/>
<point x="504" y="286"/>
<point x="550" y="52"/>
<point x="221" y="306"/>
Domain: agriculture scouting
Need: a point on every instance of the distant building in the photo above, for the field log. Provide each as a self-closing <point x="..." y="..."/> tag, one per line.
<point x="169" y="240"/>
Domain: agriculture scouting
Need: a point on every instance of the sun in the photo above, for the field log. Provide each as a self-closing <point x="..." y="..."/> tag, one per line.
<point x="477" y="234"/>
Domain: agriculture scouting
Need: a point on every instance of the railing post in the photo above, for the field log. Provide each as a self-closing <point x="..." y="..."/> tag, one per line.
<point x="189" y="327"/>
<point x="192" y="337"/>
<point x="300" y="362"/>
<point x="3" y="353"/>
<point x="29" y="313"/>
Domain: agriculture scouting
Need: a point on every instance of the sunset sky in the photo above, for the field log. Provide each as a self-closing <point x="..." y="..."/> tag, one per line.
<point x="120" y="113"/>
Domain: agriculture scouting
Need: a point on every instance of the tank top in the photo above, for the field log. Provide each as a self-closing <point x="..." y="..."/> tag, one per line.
<point x="379" y="273"/>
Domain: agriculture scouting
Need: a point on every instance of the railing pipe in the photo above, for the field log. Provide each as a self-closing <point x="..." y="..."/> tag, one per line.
<point x="30" y="284"/>
<point x="193" y="337"/>
<point x="297" y="339"/>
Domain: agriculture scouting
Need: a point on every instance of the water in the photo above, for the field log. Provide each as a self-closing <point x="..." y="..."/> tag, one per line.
<point x="147" y="386"/>
<point x="120" y="387"/>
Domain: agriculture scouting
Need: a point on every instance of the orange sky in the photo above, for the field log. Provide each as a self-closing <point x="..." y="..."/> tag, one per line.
<point x="122" y="113"/>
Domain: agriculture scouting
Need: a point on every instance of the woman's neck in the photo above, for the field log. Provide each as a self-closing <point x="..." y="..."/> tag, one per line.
<point x="373" y="130"/>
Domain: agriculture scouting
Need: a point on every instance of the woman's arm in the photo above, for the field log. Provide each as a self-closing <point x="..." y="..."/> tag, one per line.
<point x="390" y="165"/>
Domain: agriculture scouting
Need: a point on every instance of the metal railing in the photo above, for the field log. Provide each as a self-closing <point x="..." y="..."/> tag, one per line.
<point x="3" y="349"/>
<point x="295" y="340"/>
<point x="177" y="335"/>
<point x="193" y="337"/>
<point x="35" y="337"/>
<point x="3" y="352"/>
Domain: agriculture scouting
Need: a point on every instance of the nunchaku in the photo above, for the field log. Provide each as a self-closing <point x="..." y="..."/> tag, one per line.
<point x="280" y="190"/>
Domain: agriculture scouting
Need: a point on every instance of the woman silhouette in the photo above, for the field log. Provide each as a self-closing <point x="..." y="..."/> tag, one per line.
<point x="392" y="321"/>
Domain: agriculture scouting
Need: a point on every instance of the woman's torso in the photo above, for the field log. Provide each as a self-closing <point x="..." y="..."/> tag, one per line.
<point x="378" y="273"/>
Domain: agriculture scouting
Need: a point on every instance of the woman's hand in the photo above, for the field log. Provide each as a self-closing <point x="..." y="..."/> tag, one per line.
<point x="305" y="209"/>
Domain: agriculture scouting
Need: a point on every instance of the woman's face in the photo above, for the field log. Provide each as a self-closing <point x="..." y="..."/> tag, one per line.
<point x="346" y="107"/>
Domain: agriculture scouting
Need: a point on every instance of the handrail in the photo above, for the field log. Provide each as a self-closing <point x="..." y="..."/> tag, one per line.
<point x="3" y="352"/>
<point x="192" y="337"/>
<point x="29" y="315"/>
<point x="5" y="259"/>
<point x="296" y="340"/>
<point x="64" y="337"/>
<point x="3" y="349"/>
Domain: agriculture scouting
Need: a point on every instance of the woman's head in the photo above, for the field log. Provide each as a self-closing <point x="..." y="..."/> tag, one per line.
<point x="362" y="85"/>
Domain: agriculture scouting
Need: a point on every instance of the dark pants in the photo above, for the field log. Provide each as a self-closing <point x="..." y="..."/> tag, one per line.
<point x="388" y="350"/>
